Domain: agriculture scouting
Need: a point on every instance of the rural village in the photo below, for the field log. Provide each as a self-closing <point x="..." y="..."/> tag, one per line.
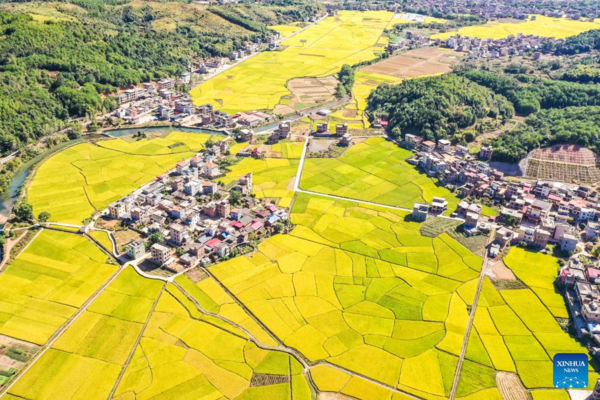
<point x="294" y="247"/>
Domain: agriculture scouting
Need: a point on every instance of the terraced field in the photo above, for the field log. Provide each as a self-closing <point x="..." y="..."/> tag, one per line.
<point x="374" y="170"/>
<point x="542" y="26"/>
<point x="47" y="283"/>
<point x="82" y="179"/>
<point x="320" y="50"/>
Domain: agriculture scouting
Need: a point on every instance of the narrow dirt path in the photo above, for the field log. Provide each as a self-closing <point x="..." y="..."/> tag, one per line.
<point x="463" y="351"/>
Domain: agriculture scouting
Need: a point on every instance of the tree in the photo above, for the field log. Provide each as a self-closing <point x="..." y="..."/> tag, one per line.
<point x="156" y="237"/>
<point x="24" y="211"/>
<point x="510" y="220"/>
<point x="279" y="227"/>
<point x="235" y="197"/>
<point x="44" y="216"/>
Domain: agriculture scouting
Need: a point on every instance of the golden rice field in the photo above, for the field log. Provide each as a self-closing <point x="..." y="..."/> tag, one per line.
<point x="47" y="283"/>
<point x="359" y="288"/>
<point x="273" y="178"/>
<point x="353" y="287"/>
<point x="286" y="30"/>
<point x="86" y="360"/>
<point x="543" y="26"/>
<point x="103" y="238"/>
<point x="364" y="84"/>
<point x="85" y="178"/>
<point x="321" y="50"/>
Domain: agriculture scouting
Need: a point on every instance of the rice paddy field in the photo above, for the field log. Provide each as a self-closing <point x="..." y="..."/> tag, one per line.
<point x="47" y="283"/>
<point x="184" y="354"/>
<point x="351" y="288"/>
<point x="514" y="331"/>
<point x="286" y="30"/>
<point x="359" y="288"/>
<point x="102" y="238"/>
<point x="538" y="271"/>
<point x="321" y="50"/>
<point x="542" y="26"/>
<point x="364" y="84"/>
<point x="73" y="184"/>
<point x="85" y="362"/>
<point x="273" y="178"/>
<point x="374" y="170"/>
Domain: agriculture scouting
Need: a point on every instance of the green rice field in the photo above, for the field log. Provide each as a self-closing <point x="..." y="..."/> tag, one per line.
<point x="374" y="170"/>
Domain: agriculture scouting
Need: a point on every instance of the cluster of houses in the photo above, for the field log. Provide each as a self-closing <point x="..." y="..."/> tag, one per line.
<point x="492" y="10"/>
<point x="143" y="104"/>
<point x="161" y="101"/>
<point x="581" y="282"/>
<point x="519" y="45"/>
<point x="489" y="10"/>
<point x="533" y="213"/>
<point x="200" y="221"/>
<point x="341" y="131"/>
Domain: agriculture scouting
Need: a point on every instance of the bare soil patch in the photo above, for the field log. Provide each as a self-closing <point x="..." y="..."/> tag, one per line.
<point x="415" y="63"/>
<point x="125" y="236"/>
<point x="309" y="92"/>
<point x="196" y="275"/>
<point x="510" y="386"/>
<point x="502" y="272"/>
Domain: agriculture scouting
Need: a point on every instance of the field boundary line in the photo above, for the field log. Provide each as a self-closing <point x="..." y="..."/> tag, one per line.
<point x="56" y="335"/>
<point x="137" y="343"/>
<point x="463" y="351"/>
<point x="307" y="364"/>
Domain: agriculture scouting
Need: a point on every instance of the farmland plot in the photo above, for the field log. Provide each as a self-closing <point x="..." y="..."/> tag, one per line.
<point x="87" y="359"/>
<point x="374" y="170"/>
<point x="321" y="50"/>
<point x="360" y="288"/>
<point x="47" y="283"/>
<point x="85" y="178"/>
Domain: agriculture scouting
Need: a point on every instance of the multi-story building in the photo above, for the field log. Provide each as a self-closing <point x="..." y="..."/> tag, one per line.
<point x="160" y="254"/>
<point x="177" y="233"/>
<point x="420" y="211"/>
<point x="136" y="249"/>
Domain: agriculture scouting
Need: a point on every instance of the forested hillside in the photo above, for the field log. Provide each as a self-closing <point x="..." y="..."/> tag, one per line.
<point x="565" y="109"/>
<point x="60" y="60"/>
<point x="436" y="107"/>
<point x="579" y="125"/>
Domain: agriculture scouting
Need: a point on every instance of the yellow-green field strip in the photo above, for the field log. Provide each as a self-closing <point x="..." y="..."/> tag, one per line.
<point x="465" y="345"/>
